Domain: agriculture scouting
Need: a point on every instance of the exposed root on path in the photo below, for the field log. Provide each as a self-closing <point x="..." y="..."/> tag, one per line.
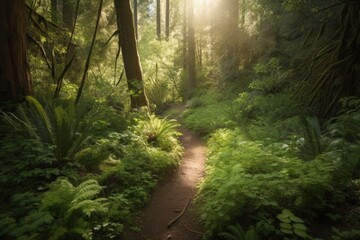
<point x="179" y="216"/>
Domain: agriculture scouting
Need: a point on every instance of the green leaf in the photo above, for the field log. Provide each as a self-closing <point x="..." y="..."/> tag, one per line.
<point x="288" y="213"/>
<point x="286" y="225"/>
<point x="301" y="233"/>
<point x="296" y="219"/>
<point x="300" y="226"/>
<point x="283" y="218"/>
<point x="287" y="231"/>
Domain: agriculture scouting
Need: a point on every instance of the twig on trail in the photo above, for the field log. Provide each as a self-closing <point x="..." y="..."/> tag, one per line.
<point x="180" y="214"/>
<point x="192" y="230"/>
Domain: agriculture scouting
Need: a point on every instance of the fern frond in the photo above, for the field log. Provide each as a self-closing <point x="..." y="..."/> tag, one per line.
<point x="42" y="113"/>
<point x="86" y="189"/>
<point x="61" y="192"/>
<point x="87" y="207"/>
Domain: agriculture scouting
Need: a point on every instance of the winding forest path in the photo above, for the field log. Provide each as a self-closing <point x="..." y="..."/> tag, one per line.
<point x="173" y="193"/>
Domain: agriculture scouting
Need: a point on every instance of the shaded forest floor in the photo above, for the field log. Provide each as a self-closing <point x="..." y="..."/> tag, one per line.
<point x="173" y="193"/>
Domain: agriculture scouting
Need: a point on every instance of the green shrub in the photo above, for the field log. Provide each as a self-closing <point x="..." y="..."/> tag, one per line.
<point x="59" y="126"/>
<point x="244" y="180"/>
<point x="64" y="212"/>
<point x="207" y="118"/>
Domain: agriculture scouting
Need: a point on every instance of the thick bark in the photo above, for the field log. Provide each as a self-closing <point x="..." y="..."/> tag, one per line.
<point x="130" y="53"/>
<point x="158" y="19"/>
<point x="167" y="19"/>
<point x="136" y="18"/>
<point x="191" y="50"/>
<point x="14" y="70"/>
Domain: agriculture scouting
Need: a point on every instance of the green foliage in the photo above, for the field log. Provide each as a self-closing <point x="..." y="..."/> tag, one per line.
<point x="159" y="132"/>
<point x="58" y="126"/>
<point x="292" y="225"/>
<point x="64" y="212"/>
<point x="311" y="146"/>
<point x="244" y="178"/>
<point x="235" y="232"/>
<point x="343" y="141"/>
<point x="345" y="235"/>
<point x="207" y="112"/>
<point x="270" y="80"/>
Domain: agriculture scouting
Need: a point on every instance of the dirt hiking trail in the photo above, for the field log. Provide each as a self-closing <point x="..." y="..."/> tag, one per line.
<point x="173" y="193"/>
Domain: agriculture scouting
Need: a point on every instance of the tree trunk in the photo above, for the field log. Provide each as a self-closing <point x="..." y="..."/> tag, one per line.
<point x="136" y="18"/>
<point x="184" y="34"/>
<point x="130" y="53"/>
<point x="167" y="19"/>
<point x="228" y="28"/>
<point x="14" y="69"/>
<point x="68" y="14"/>
<point x="191" y="50"/>
<point x="54" y="10"/>
<point x="158" y="19"/>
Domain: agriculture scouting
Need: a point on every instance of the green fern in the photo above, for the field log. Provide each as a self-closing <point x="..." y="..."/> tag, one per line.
<point x="74" y="208"/>
<point x="155" y="128"/>
<point x="59" y="126"/>
<point x="311" y="146"/>
<point x="159" y="132"/>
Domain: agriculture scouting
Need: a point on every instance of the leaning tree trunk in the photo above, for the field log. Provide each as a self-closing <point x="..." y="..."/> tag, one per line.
<point x="14" y="69"/>
<point x="127" y="41"/>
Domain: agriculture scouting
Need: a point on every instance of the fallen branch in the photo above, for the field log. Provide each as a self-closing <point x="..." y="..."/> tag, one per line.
<point x="180" y="214"/>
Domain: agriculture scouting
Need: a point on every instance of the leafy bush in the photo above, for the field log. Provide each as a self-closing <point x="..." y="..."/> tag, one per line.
<point x="244" y="180"/>
<point x="64" y="212"/>
<point x="28" y="165"/>
<point x="343" y="132"/>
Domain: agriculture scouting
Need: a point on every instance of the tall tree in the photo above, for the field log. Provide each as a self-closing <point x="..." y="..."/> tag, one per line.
<point x="158" y="19"/>
<point x="184" y="30"/>
<point x="136" y="18"/>
<point x="127" y="42"/>
<point x="167" y="19"/>
<point x="227" y="29"/>
<point x="14" y="70"/>
<point x="191" y="50"/>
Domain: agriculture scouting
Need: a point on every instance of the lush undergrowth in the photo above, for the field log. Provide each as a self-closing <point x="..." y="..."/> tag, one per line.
<point x="79" y="172"/>
<point x="275" y="172"/>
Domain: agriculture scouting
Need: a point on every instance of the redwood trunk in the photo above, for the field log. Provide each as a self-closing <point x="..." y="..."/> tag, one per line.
<point x="130" y="53"/>
<point x="14" y="70"/>
<point x="136" y="18"/>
